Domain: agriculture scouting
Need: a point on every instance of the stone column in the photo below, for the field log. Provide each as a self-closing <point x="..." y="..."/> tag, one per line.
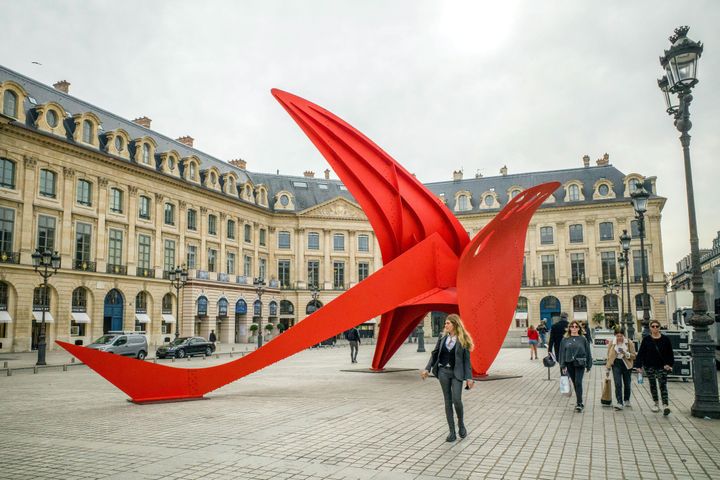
<point x="65" y="241"/>
<point x="593" y="271"/>
<point x="156" y="260"/>
<point x="256" y="252"/>
<point x="532" y="266"/>
<point x="563" y="260"/>
<point x="132" y="220"/>
<point x="222" y="238"/>
<point x="351" y="278"/>
<point x="182" y="226"/>
<point x="272" y="246"/>
<point x="203" y="229"/>
<point x="101" y="237"/>
<point x="27" y="238"/>
<point x="327" y="272"/>
<point x="300" y="274"/>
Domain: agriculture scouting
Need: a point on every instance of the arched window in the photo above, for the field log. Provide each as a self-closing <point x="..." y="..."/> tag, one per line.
<point x="79" y="300"/>
<point x="146" y="154"/>
<point x="639" y="301"/>
<point x="3" y="296"/>
<point x="312" y="306"/>
<point x="193" y="171"/>
<point x="489" y="200"/>
<point x="52" y="118"/>
<point x="579" y="303"/>
<point x="574" y="193"/>
<point x="257" y="308"/>
<point x="522" y="304"/>
<point x="514" y="193"/>
<point x="273" y="308"/>
<point x="202" y="305"/>
<point x="603" y="189"/>
<point x="141" y="302"/>
<point x="634" y="184"/>
<point x="610" y="303"/>
<point x="240" y="307"/>
<point x="286" y="308"/>
<point x="41" y="300"/>
<point x="87" y="134"/>
<point x="222" y="307"/>
<point x="167" y="304"/>
<point x="10" y="104"/>
<point x="463" y="203"/>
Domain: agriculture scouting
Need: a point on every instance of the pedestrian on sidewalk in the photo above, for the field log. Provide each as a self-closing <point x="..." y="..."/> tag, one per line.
<point x="575" y="359"/>
<point x="533" y="339"/>
<point x="557" y="332"/>
<point x="656" y="359"/>
<point x="450" y="363"/>
<point x="620" y="357"/>
<point x="353" y="338"/>
<point x="212" y="338"/>
<point x="542" y="330"/>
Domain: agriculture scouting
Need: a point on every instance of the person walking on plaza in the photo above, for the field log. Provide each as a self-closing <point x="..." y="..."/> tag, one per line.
<point x="575" y="358"/>
<point x="353" y="338"/>
<point x="533" y="339"/>
<point x="450" y="363"/>
<point x="542" y="330"/>
<point x="212" y="338"/>
<point x="620" y="357"/>
<point x="556" y="334"/>
<point x="656" y="359"/>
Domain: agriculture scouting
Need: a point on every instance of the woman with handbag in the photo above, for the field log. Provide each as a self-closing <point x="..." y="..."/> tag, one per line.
<point x="657" y="359"/>
<point x="620" y="357"/>
<point x="575" y="358"/>
<point x="450" y="363"/>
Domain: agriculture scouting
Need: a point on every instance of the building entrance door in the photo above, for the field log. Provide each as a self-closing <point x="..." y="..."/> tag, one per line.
<point x="113" y="311"/>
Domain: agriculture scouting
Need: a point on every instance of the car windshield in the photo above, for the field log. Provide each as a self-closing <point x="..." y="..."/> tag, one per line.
<point x="105" y="339"/>
<point x="178" y="341"/>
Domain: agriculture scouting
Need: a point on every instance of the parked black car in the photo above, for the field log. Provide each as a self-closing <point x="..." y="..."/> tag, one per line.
<point x="186" y="346"/>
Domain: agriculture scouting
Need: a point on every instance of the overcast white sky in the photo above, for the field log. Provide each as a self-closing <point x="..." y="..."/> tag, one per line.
<point x="439" y="85"/>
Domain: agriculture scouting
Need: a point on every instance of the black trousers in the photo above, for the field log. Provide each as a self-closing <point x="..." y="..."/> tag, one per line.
<point x="621" y="378"/>
<point x="576" y="375"/>
<point x="353" y="350"/>
<point x="452" y="392"/>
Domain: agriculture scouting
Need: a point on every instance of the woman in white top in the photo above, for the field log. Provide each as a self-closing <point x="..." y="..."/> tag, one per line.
<point x="620" y="357"/>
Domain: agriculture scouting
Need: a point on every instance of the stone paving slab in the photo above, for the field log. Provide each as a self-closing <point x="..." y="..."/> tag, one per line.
<point x="304" y="418"/>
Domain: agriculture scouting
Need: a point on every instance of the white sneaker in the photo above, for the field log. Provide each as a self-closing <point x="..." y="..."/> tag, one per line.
<point x="618" y="406"/>
<point x="655" y="408"/>
<point x="627" y="403"/>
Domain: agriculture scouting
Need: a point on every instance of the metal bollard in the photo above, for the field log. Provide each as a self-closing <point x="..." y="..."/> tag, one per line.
<point x="231" y="354"/>
<point x="204" y="357"/>
<point x="64" y="368"/>
<point x="154" y="360"/>
<point x="217" y="356"/>
<point x="188" y="358"/>
<point x="172" y="360"/>
<point x="9" y="373"/>
<point x="72" y="359"/>
<point x="5" y="364"/>
<point x="35" y="369"/>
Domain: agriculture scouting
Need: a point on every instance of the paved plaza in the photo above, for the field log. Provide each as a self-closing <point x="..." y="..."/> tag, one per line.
<point x="307" y="418"/>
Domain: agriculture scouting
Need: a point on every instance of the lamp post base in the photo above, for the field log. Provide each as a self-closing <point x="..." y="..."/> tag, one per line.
<point x="702" y="347"/>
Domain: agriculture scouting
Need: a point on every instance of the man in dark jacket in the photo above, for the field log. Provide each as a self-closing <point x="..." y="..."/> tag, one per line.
<point x="557" y="332"/>
<point x="353" y="337"/>
<point x="656" y="359"/>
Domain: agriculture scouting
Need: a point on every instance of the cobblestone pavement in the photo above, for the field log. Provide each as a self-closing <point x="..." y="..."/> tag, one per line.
<point x="305" y="418"/>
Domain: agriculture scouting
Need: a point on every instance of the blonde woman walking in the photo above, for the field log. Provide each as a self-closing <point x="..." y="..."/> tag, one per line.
<point x="450" y="363"/>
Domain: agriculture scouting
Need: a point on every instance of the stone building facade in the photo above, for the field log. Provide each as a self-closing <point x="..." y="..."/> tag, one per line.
<point x="123" y="205"/>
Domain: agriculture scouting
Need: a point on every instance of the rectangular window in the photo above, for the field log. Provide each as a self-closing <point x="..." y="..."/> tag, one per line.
<point x="637" y="266"/>
<point x="7" y="173"/>
<point x="262" y="269"/>
<point x="313" y="241"/>
<point x="144" y="209"/>
<point x="248" y="233"/>
<point x="339" y="275"/>
<point x="546" y="235"/>
<point x="247" y="266"/>
<point x="46" y="233"/>
<point x="191" y="256"/>
<point x="548" y="269"/>
<point x="230" y="263"/>
<point x="363" y="271"/>
<point x="577" y="268"/>
<point x="263" y="237"/>
<point x="83" y="239"/>
<point x="169" y="214"/>
<point x="212" y="260"/>
<point x="523" y="281"/>
<point x="48" y="183"/>
<point x="606" y="231"/>
<point x="608" y="266"/>
<point x="192" y="219"/>
<point x="363" y="243"/>
<point x="212" y="224"/>
<point x="231" y="230"/>
<point x="7" y="229"/>
<point x="284" y="240"/>
<point x="313" y="273"/>
<point x="116" y="200"/>
<point x="115" y="247"/>
<point x="339" y="242"/>
<point x="284" y="273"/>
<point x="169" y="257"/>
<point x="84" y="193"/>
<point x="144" y="243"/>
<point x="635" y="229"/>
<point x="576" y="233"/>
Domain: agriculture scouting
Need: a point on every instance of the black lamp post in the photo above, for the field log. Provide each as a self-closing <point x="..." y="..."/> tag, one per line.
<point x="610" y="286"/>
<point x="680" y="64"/>
<point x="625" y="244"/>
<point x="259" y="289"/>
<point x="45" y="263"/>
<point x="622" y="262"/>
<point x="178" y="279"/>
<point x="640" y="201"/>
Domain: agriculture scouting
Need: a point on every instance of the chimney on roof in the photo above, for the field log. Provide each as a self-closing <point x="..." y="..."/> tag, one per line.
<point x="586" y="161"/>
<point x="143" y="121"/>
<point x="62" y="86"/>
<point x="327" y="174"/>
<point x="503" y="171"/>
<point x="604" y="161"/>
<point x="457" y="175"/>
<point x="187" y="140"/>
<point x="478" y="174"/>
<point x="239" y="162"/>
<point x="309" y="174"/>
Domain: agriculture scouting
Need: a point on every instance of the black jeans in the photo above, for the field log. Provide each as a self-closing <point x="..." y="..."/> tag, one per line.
<point x="452" y="392"/>
<point x="576" y="375"/>
<point x="353" y="350"/>
<point x="621" y="378"/>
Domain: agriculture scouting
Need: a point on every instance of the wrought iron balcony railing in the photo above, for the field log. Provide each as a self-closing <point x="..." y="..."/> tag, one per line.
<point x="84" y="265"/>
<point x="9" y="257"/>
<point x="116" y="269"/>
<point x="145" y="272"/>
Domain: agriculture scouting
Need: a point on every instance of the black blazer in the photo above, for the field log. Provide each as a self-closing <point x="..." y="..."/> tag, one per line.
<point x="462" y="370"/>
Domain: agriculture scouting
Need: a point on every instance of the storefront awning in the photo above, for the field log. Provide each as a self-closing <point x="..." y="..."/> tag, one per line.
<point x="5" y="317"/>
<point x="371" y="321"/>
<point x="142" y="318"/>
<point x="37" y="315"/>
<point x="167" y="318"/>
<point x="80" y="317"/>
<point x="580" y="316"/>
<point x="521" y="315"/>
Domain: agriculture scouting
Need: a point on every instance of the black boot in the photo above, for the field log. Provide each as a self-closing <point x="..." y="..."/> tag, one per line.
<point x="462" y="430"/>
<point x="451" y="437"/>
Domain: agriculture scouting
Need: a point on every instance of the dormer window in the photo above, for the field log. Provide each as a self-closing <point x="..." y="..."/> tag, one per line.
<point x="213" y="179"/>
<point x="171" y="163"/>
<point x="193" y="171"/>
<point x="146" y="154"/>
<point x="462" y="202"/>
<point x="119" y="144"/>
<point x="10" y="104"/>
<point x="514" y="193"/>
<point x="284" y="200"/>
<point x="604" y="189"/>
<point x="573" y="193"/>
<point x="634" y="184"/>
<point x="88" y="130"/>
<point x="52" y="118"/>
<point x="489" y="200"/>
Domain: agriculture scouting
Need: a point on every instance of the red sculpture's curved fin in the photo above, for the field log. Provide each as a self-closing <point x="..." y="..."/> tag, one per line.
<point x="433" y="265"/>
<point x="489" y="274"/>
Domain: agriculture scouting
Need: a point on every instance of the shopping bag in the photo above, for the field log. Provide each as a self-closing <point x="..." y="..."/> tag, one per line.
<point x="606" y="398"/>
<point x="564" y="385"/>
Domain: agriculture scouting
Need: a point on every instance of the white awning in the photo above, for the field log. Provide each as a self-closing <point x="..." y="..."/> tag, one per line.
<point x="5" y="317"/>
<point x="142" y="318"/>
<point x="80" y="317"/>
<point x="168" y="318"/>
<point x="372" y="321"/>
<point x="579" y="315"/>
<point x="37" y="315"/>
<point x="521" y="315"/>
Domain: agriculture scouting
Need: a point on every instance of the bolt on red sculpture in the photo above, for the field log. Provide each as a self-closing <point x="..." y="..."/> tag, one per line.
<point x="429" y="264"/>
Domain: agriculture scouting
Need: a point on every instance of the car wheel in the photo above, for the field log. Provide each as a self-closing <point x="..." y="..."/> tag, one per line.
<point x="180" y="353"/>
<point x="141" y="355"/>
<point x="208" y="351"/>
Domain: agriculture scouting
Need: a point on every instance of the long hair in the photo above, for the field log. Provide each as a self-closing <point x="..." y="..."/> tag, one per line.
<point x="581" y="330"/>
<point x="463" y="336"/>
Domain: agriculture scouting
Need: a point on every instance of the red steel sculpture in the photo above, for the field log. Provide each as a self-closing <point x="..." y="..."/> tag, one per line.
<point x="429" y="264"/>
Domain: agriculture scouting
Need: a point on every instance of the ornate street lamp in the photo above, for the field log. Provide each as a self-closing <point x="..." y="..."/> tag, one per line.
<point x="622" y="263"/>
<point x="680" y="64"/>
<point x="625" y="244"/>
<point x="43" y="262"/>
<point x="610" y="287"/>
<point x="640" y="201"/>
<point x="178" y="279"/>
<point x="259" y="289"/>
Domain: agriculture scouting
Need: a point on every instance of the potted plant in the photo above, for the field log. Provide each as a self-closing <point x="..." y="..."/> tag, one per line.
<point x="269" y="329"/>
<point x="253" y="332"/>
<point x="599" y="319"/>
